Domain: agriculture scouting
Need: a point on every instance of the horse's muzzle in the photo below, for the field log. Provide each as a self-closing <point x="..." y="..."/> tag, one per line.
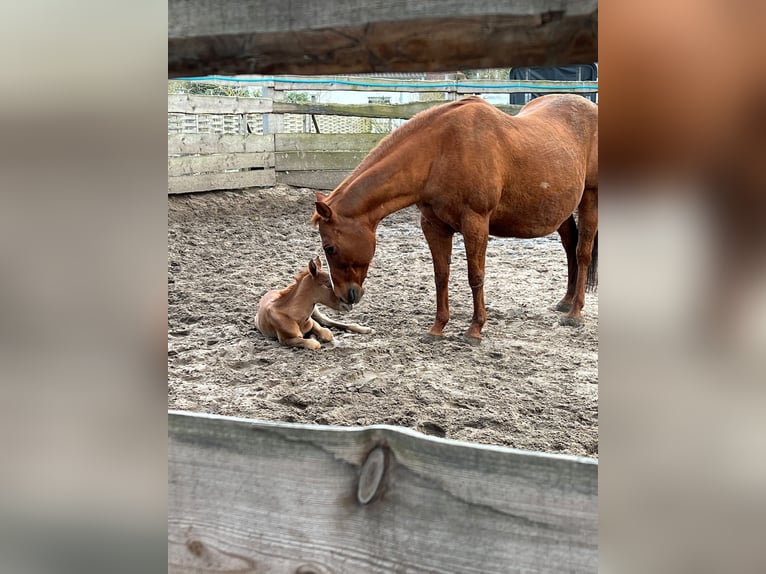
<point x="353" y="295"/>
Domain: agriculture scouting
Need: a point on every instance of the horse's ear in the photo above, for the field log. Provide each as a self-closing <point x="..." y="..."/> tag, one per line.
<point x="323" y="210"/>
<point x="312" y="268"/>
<point x="317" y="262"/>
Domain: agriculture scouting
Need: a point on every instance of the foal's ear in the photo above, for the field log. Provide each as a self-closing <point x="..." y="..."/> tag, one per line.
<point x="313" y="269"/>
<point x="323" y="210"/>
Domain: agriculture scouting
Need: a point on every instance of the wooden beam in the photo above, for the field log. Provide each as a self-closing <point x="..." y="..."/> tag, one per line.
<point x="188" y="165"/>
<point x="326" y="142"/>
<point x="220" y="181"/>
<point x="246" y="495"/>
<point x="318" y="160"/>
<point x="350" y="36"/>
<point x="196" y="104"/>
<point x="394" y="111"/>
<point x="314" y="179"/>
<point x="179" y="144"/>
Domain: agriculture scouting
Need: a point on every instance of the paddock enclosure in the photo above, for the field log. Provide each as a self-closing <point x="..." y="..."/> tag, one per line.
<point x="531" y="383"/>
<point x="381" y="452"/>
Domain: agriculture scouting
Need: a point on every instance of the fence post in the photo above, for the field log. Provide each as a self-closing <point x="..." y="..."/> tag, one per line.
<point x="273" y="123"/>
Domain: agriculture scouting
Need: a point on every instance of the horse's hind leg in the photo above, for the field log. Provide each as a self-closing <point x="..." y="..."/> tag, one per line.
<point x="568" y="234"/>
<point x="475" y="230"/>
<point x="439" y="238"/>
<point x="587" y="224"/>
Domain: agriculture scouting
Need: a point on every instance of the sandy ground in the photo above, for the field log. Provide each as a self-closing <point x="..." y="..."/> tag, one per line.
<point x="530" y="384"/>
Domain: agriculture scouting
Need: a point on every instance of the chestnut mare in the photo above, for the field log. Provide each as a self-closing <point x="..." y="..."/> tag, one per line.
<point x="473" y="169"/>
<point x="290" y="314"/>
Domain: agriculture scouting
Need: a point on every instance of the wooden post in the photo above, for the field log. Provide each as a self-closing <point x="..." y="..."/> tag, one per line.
<point x="273" y="123"/>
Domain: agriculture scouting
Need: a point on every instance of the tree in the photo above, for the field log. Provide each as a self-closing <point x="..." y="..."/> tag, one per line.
<point x="208" y="89"/>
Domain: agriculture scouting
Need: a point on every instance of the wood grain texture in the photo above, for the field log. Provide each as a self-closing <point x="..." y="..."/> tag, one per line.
<point x="318" y="160"/>
<point x="188" y="165"/>
<point x="326" y="142"/>
<point x="316" y="179"/>
<point x="221" y="181"/>
<point x="393" y="111"/>
<point x="252" y="496"/>
<point x="347" y="36"/>
<point x="179" y="144"/>
<point x="196" y="104"/>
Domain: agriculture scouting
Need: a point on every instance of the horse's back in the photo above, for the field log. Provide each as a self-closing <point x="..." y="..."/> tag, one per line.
<point x="263" y="312"/>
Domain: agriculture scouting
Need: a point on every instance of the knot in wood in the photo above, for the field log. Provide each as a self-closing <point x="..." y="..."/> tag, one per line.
<point x="371" y="475"/>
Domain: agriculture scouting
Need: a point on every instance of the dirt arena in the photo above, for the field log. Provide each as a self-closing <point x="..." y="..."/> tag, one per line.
<point x="530" y="384"/>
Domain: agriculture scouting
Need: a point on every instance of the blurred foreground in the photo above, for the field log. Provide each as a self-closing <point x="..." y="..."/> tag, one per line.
<point x="682" y="302"/>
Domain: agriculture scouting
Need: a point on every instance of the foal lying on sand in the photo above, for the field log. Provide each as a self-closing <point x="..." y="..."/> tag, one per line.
<point x="291" y="314"/>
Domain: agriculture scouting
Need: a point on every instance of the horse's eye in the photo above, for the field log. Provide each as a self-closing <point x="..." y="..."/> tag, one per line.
<point x="329" y="249"/>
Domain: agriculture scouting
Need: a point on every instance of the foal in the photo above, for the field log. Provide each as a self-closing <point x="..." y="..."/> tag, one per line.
<point x="291" y="314"/>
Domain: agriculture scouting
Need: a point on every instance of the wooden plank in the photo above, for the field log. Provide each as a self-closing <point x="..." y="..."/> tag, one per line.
<point x="268" y="497"/>
<point x="220" y="181"/>
<point x="187" y="165"/>
<point x="346" y="36"/>
<point x="396" y="111"/>
<point x="326" y="142"/>
<point x="195" y="104"/>
<point x="318" y="160"/>
<point x="372" y="84"/>
<point x="425" y="86"/>
<point x="181" y="144"/>
<point x="393" y="111"/>
<point x="313" y="179"/>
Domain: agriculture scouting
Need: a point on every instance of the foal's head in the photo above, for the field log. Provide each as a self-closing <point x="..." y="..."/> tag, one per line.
<point x="349" y="244"/>
<point x="322" y="287"/>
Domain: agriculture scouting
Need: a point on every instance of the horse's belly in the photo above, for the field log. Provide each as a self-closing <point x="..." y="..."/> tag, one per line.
<point x="513" y="224"/>
<point x="537" y="214"/>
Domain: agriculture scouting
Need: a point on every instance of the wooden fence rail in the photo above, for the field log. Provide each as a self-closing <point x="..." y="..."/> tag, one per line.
<point x="216" y="161"/>
<point x="246" y="495"/>
<point x="278" y="37"/>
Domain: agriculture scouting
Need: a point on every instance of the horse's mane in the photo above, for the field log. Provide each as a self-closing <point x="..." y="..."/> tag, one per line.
<point x="414" y="124"/>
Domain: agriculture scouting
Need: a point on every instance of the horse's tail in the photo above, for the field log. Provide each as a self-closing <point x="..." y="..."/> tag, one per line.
<point x="591" y="280"/>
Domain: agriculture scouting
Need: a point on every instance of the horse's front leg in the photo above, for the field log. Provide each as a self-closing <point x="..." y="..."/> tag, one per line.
<point x="439" y="238"/>
<point x="314" y="328"/>
<point x="475" y="229"/>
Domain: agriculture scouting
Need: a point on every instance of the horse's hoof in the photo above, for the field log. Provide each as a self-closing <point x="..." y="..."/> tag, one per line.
<point x="431" y="338"/>
<point x="568" y="321"/>
<point x="472" y="339"/>
<point x="563" y="307"/>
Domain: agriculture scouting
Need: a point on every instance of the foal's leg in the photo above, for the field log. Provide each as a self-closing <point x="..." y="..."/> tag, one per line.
<point x="587" y="225"/>
<point x="568" y="234"/>
<point x="475" y="230"/>
<point x="439" y="238"/>
<point x="290" y="335"/>
<point x="324" y="335"/>
<point x="325" y="321"/>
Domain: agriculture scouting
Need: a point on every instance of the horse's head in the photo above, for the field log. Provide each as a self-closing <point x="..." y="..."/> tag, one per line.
<point x="349" y="244"/>
<point x="322" y="290"/>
